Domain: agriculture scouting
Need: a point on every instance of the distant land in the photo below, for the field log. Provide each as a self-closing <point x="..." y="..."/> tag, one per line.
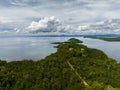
<point x="105" y="37"/>
<point x="59" y="35"/>
<point x="110" y="38"/>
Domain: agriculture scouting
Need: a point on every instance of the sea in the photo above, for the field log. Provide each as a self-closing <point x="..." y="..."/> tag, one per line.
<point x="16" y="48"/>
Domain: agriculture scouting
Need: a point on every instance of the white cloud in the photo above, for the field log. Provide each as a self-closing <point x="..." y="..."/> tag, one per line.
<point x="83" y="11"/>
<point x="51" y="25"/>
<point x="111" y="26"/>
<point x="20" y="13"/>
<point x="4" y="20"/>
<point x="69" y="29"/>
<point x="47" y="24"/>
<point x="54" y="25"/>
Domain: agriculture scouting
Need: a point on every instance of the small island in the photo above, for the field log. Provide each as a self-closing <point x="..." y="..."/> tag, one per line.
<point x="72" y="40"/>
<point x="73" y="67"/>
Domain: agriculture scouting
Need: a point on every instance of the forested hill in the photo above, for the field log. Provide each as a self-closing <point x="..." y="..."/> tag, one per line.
<point x="73" y="67"/>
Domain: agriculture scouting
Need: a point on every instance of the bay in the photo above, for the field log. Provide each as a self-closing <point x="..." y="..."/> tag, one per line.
<point x="36" y="48"/>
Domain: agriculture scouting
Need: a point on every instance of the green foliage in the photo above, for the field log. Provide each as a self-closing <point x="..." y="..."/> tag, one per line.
<point x="7" y="77"/>
<point x="110" y="39"/>
<point x="54" y="73"/>
<point x="73" y="40"/>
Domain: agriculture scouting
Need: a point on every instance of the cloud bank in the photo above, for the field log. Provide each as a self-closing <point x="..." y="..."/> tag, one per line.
<point x="73" y="12"/>
<point x="54" y="25"/>
<point x="49" y="25"/>
<point x="111" y="26"/>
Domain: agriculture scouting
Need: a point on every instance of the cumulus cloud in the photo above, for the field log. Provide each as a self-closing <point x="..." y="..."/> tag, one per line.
<point x="111" y="26"/>
<point x="54" y="25"/>
<point x="49" y="24"/>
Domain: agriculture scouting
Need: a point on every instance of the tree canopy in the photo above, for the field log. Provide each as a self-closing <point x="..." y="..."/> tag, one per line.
<point x="73" y="67"/>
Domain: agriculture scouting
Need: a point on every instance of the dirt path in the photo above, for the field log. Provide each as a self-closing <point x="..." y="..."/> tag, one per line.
<point x="84" y="82"/>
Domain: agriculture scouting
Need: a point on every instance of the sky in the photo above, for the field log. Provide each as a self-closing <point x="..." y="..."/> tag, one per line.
<point x="55" y="15"/>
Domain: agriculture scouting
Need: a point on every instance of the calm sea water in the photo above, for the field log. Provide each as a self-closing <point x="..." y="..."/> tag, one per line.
<point x="36" y="48"/>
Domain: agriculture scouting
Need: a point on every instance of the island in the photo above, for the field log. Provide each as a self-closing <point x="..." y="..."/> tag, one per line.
<point x="73" y="66"/>
<point x="105" y="38"/>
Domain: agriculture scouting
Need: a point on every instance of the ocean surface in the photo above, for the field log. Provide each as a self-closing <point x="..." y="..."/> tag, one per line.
<point x="36" y="48"/>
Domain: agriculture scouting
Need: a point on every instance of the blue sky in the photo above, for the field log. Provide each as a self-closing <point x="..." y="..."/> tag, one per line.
<point x="19" y="14"/>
